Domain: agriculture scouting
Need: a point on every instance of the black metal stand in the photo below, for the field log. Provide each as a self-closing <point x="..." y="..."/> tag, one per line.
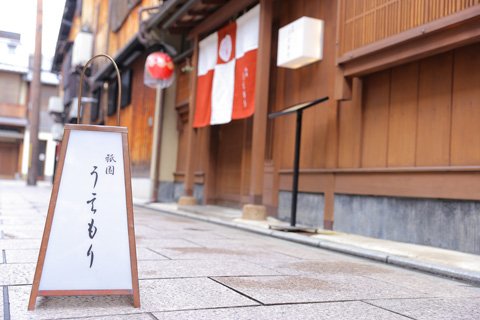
<point x="298" y="109"/>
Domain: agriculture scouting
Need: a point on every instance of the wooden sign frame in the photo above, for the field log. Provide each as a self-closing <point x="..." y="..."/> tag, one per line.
<point x="35" y="292"/>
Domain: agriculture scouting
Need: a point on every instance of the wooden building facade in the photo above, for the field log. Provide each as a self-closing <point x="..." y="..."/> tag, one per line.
<point x="394" y="153"/>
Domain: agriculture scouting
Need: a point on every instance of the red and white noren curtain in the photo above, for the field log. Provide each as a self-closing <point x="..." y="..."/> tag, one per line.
<point x="226" y="72"/>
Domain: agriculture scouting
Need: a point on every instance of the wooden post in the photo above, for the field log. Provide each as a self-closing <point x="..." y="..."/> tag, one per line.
<point x="357" y="97"/>
<point x="188" y="198"/>
<point x="34" y="101"/>
<point x="261" y="110"/>
<point x="156" y="144"/>
<point x="329" y="200"/>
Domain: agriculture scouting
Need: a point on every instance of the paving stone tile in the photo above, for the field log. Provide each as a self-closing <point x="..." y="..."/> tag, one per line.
<point x="132" y="316"/>
<point x="316" y="311"/>
<point x="433" y="309"/>
<point x="198" y="268"/>
<point x="182" y="294"/>
<point x="331" y="266"/>
<point x="1" y="302"/>
<point x="20" y="244"/>
<point x="206" y="253"/>
<point x="180" y="233"/>
<point x="22" y="256"/>
<point x="146" y="254"/>
<point x="27" y="220"/>
<point x="230" y="243"/>
<point x="155" y="295"/>
<point x="16" y="274"/>
<point x="434" y="286"/>
<point x="21" y="232"/>
<point x="295" y="289"/>
<point x="306" y="252"/>
<point x="164" y="243"/>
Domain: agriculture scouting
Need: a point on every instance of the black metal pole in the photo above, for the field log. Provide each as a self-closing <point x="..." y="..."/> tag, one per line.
<point x="296" y="164"/>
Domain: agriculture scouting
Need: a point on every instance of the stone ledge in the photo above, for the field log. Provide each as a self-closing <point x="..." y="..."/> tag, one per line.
<point x="187" y="201"/>
<point x="254" y="212"/>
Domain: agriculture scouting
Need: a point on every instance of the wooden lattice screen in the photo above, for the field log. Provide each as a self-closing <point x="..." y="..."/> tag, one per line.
<point x="366" y="21"/>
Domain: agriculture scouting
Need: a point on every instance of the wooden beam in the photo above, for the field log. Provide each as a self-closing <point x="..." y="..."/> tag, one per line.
<point x="220" y="16"/>
<point x="460" y="185"/>
<point x="191" y="134"/>
<point x="259" y="136"/>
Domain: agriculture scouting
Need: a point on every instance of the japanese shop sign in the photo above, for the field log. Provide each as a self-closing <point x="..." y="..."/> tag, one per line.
<point x="88" y="245"/>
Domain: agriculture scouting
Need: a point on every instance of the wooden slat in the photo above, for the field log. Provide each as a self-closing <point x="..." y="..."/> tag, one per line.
<point x="350" y="128"/>
<point x="375" y="119"/>
<point x="465" y="109"/>
<point x="403" y="116"/>
<point x="434" y="111"/>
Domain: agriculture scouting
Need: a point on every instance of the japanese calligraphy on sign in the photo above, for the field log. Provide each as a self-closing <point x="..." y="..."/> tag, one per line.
<point x="92" y="229"/>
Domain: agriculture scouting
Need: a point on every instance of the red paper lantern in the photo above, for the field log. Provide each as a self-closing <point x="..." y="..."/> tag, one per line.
<point x="160" y="65"/>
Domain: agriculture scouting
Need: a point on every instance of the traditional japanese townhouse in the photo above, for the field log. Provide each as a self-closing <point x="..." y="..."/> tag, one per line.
<point x="15" y="79"/>
<point x="92" y="27"/>
<point x="394" y="152"/>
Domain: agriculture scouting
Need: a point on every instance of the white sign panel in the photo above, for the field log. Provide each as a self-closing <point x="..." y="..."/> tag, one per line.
<point x="88" y="247"/>
<point x="300" y="43"/>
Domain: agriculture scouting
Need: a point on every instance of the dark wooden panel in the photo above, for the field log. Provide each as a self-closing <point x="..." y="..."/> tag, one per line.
<point x="229" y="159"/>
<point x="183" y="86"/>
<point x="13" y="110"/>
<point x="138" y="118"/>
<point x="376" y="96"/>
<point x="465" y="108"/>
<point x="8" y="159"/>
<point x="11" y="85"/>
<point x="403" y="116"/>
<point x="293" y="86"/>
<point x="434" y="108"/>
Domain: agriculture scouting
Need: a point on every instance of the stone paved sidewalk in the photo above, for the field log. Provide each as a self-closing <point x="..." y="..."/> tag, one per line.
<point x="190" y="269"/>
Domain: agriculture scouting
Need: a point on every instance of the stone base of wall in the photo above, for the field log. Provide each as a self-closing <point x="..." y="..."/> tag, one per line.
<point x="178" y="191"/>
<point x="166" y="191"/>
<point x="309" y="208"/>
<point x="449" y="224"/>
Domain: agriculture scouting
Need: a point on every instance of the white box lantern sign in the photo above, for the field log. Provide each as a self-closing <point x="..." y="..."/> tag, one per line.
<point x="300" y="43"/>
<point x="88" y="244"/>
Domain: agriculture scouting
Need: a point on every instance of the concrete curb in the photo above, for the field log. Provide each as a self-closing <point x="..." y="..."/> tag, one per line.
<point x="399" y="261"/>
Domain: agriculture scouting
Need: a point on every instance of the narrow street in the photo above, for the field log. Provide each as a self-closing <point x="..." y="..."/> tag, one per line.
<point x="195" y="270"/>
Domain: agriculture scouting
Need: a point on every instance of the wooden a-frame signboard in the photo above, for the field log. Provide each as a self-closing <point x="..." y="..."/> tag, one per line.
<point x="88" y="244"/>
